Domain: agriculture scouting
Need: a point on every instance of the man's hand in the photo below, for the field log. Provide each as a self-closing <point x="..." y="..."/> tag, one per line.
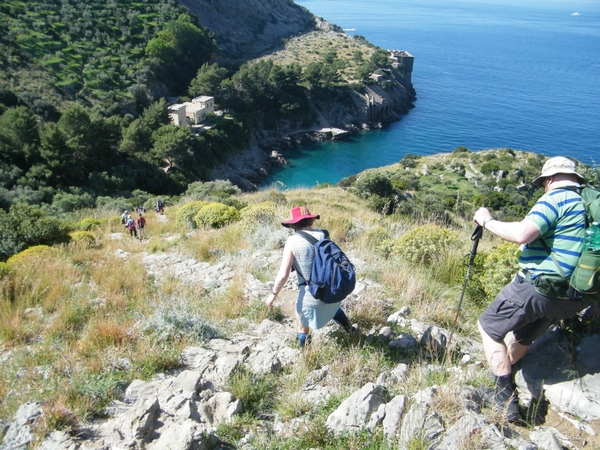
<point x="482" y="215"/>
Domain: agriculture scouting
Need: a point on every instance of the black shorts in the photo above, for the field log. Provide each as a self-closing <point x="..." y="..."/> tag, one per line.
<point x="521" y="309"/>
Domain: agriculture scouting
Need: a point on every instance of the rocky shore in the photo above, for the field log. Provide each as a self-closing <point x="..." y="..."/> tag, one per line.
<point x="372" y="109"/>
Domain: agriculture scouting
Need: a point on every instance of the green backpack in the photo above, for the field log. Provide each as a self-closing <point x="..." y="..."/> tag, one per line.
<point x="584" y="283"/>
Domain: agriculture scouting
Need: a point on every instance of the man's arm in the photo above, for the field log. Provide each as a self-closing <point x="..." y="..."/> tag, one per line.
<point x="522" y="232"/>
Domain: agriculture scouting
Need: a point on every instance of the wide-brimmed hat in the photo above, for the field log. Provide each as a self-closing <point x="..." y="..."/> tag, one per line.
<point x="297" y="214"/>
<point x="556" y="165"/>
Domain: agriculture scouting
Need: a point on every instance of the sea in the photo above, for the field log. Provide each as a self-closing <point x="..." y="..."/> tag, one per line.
<point x="518" y="74"/>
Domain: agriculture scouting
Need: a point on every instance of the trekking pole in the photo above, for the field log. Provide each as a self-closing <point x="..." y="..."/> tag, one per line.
<point x="475" y="238"/>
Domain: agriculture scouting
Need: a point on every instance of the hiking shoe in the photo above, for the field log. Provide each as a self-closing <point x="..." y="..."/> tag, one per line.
<point x="303" y="339"/>
<point x="505" y="399"/>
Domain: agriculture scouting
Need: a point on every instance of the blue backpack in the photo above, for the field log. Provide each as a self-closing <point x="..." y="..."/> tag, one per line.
<point x="332" y="276"/>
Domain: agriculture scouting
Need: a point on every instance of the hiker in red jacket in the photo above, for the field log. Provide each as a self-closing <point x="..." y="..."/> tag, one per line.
<point x="141" y="226"/>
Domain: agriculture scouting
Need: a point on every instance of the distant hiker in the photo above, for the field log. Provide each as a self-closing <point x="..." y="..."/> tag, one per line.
<point x="160" y="206"/>
<point x="536" y="297"/>
<point x="130" y="225"/>
<point x="141" y="226"/>
<point x="124" y="217"/>
<point x="311" y="313"/>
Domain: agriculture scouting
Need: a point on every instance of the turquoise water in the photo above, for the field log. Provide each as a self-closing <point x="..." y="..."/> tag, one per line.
<point x="486" y="76"/>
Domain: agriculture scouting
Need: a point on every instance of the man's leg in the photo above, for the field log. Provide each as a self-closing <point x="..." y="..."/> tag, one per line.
<point x="500" y="360"/>
<point x="515" y="350"/>
<point x="496" y="354"/>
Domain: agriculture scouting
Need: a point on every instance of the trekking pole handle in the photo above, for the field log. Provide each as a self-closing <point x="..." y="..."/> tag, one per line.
<point x="477" y="233"/>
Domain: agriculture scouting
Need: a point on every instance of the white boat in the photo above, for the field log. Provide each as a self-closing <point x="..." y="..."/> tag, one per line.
<point x="576" y="14"/>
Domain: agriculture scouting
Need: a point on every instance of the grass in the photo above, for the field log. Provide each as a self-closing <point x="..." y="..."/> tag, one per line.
<point x="79" y="325"/>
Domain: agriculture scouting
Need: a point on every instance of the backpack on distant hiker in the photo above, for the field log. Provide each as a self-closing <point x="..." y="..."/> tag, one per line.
<point x="584" y="282"/>
<point x="332" y="276"/>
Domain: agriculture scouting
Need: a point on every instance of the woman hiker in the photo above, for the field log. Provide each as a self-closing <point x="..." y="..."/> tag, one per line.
<point x="311" y="313"/>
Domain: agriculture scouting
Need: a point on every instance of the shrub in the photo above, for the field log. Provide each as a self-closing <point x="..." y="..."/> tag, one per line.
<point x="174" y="319"/>
<point x="88" y="224"/>
<point x="185" y="215"/>
<point x="114" y="204"/>
<point x="373" y="183"/>
<point x="260" y="214"/>
<point x="216" y="215"/>
<point x="35" y="252"/>
<point x="409" y="161"/>
<point x="461" y="149"/>
<point x="25" y="226"/>
<point x="347" y="182"/>
<point x="211" y="190"/>
<point x="66" y="202"/>
<point x="499" y="267"/>
<point x="425" y="244"/>
<point x="4" y="269"/>
<point x="83" y="237"/>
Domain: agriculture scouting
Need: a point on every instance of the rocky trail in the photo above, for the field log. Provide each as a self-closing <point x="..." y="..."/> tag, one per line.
<point x="182" y="410"/>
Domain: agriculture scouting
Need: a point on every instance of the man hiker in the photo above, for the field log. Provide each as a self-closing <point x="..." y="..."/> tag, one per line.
<point x="520" y="313"/>
<point x="141" y="226"/>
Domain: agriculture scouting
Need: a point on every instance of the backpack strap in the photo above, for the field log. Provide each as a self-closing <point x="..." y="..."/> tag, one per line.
<point x="309" y="237"/>
<point x="312" y="240"/>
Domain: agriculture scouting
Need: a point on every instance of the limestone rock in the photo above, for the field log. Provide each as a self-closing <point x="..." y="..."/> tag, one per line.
<point x="355" y="412"/>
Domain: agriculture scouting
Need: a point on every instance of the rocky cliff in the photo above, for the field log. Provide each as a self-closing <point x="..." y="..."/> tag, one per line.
<point x="249" y="28"/>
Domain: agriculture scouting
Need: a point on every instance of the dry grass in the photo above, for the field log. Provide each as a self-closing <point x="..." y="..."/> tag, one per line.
<point x="86" y="330"/>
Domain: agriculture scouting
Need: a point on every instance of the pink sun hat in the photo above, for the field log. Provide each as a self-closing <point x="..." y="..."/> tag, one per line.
<point x="297" y="214"/>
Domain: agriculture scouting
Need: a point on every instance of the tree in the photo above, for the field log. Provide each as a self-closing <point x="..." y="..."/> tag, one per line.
<point x="19" y="137"/>
<point x="183" y="45"/>
<point x="207" y="80"/>
<point x="156" y="115"/>
<point x="319" y="74"/>
<point x="172" y="145"/>
<point x="380" y="58"/>
<point x="55" y="153"/>
<point x="137" y="139"/>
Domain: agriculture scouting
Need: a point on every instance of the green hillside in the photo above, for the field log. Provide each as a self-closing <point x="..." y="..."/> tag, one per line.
<point x="97" y="52"/>
<point x="83" y="89"/>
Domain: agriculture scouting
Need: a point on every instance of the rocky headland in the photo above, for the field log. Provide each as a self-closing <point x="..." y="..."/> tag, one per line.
<point x="283" y="31"/>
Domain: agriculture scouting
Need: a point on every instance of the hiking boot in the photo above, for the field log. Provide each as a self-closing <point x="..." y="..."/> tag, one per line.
<point x="505" y="399"/>
<point x="303" y="339"/>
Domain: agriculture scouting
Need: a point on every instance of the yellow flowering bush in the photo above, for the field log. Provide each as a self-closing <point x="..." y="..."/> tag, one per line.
<point x="216" y="215"/>
<point x="425" y="244"/>
<point x="37" y="251"/>
<point x="262" y="213"/>
<point x="185" y="214"/>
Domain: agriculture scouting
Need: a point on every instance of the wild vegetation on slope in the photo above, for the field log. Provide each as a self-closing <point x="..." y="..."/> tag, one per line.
<point x="79" y="321"/>
<point x="83" y="87"/>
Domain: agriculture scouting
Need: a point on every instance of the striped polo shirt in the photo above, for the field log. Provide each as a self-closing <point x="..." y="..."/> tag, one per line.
<point x="559" y="216"/>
